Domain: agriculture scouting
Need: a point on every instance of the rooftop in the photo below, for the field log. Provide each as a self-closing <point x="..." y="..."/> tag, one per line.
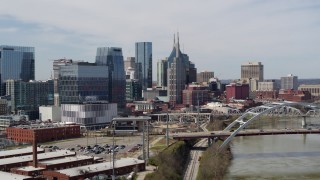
<point x="44" y="126"/>
<point x="11" y="176"/>
<point x="30" y="168"/>
<point x="42" y="156"/>
<point x="76" y="171"/>
<point x="18" y="151"/>
<point x="64" y="160"/>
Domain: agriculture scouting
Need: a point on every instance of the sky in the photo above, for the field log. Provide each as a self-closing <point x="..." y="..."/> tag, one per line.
<point x="217" y="35"/>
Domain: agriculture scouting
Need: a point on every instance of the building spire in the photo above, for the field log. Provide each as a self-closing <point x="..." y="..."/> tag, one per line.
<point x="174" y="38"/>
<point x="178" y="36"/>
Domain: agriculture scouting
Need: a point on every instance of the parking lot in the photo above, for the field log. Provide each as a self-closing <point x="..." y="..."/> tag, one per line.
<point x="125" y="146"/>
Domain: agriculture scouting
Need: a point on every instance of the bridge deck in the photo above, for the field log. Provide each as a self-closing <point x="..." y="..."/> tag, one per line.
<point x="252" y="132"/>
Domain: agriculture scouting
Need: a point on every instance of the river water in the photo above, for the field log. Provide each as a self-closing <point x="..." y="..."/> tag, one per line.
<point x="275" y="157"/>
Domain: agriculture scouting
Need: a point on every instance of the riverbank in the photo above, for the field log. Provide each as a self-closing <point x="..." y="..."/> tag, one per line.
<point x="170" y="162"/>
<point x="214" y="164"/>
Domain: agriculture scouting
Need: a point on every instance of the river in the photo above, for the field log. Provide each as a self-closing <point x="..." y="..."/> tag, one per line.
<point x="275" y="157"/>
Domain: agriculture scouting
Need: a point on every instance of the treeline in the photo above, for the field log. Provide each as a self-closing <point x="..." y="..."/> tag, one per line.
<point x="214" y="164"/>
<point x="220" y="122"/>
<point x="171" y="162"/>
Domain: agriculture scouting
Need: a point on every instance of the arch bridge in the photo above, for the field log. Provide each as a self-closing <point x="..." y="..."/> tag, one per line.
<point x="285" y="108"/>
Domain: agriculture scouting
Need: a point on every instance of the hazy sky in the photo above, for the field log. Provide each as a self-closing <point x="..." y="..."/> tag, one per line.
<point x="217" y="35"/>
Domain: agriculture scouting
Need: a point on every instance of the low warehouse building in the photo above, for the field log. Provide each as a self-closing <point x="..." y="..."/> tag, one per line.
<point x="122" y="166"/>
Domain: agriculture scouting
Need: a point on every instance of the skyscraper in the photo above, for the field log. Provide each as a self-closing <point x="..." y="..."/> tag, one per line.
<point x="77" y="81"/>
<point x="177" y="74"/>
<point x="252" y="70"/>
<point x="130" y="62"/>
<point x="204" y="76"/>
<point x="26" y="97"/>
<point x="17" y="63"/>
<point x="112" y="57"/>
<point x="190" y="69"/>
<point x="289" y="82"/>
<point x="162" y="73"/>
<point x="144" y="64"/>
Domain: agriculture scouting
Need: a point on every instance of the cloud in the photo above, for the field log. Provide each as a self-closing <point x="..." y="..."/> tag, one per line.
<point x="217" y="35"/>
<point x="8" y="30"/>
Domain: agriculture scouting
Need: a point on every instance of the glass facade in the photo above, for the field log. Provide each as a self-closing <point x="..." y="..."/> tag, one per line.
<point x="16" y="63"/>
<point x="81" y="80"/>
<point x="162" y="70"/>
<point x="113" y="59"/>
<point x="144" y="63"/>
<point x="26" y="97"/>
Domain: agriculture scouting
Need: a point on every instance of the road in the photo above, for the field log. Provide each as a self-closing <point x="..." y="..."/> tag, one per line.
<point x="194" y="163"/>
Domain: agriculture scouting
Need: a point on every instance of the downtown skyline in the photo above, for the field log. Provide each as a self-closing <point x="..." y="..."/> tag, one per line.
<point x="217" y="36"/>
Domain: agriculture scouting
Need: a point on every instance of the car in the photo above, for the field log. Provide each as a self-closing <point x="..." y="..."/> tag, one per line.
<point x="122" y="146"/>
<point x="309" y="129"/>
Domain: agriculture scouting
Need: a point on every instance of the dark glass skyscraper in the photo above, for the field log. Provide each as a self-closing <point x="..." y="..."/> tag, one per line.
<point x="16" y="63"/>
<point x="112" y="57"/>
<point x="144" y="64"/>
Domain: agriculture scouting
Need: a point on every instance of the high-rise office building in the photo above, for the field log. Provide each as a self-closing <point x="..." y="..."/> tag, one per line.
<point x="252" y="70"/>
<point x="162" y="69"/>
<point x="129" y="62"/>
<point x="192" y="73"/>
<point x="133" y="90"/>
<point x="190" y="70"/>
<point x="26" y="97"/>
<point x="204" y="76"/>
<point x="289" y="82"/>
<point x="77" y="81"/>
<point x="17" y="63"/>
<point x="177" y="74"/>
<point x="113" y="59"/>
<point x="144" y="64"/>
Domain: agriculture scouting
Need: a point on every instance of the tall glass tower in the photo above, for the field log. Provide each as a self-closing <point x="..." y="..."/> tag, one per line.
<point x="16" y="63"/>
<point x="144" y="64"/>
<point x="112" y="57"/>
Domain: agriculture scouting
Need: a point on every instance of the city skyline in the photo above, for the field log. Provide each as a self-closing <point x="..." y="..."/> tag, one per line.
<point x="217" y="36"/>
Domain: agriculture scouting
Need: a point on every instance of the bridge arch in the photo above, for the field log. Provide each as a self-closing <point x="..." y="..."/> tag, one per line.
<point x="256" y="112"/>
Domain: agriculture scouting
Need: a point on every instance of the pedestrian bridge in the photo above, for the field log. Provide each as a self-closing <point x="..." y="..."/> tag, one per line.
<point x="236" y="128"/>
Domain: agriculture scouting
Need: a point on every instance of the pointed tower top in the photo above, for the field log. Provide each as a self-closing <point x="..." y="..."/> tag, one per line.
<point x="174" y="38"/>
<point x="178" y="36"/>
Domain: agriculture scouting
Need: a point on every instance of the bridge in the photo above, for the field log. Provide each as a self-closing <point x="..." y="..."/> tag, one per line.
<point x="281" y="109"/>
<point x="285" y="109"/>
<point x="250" y="132"/>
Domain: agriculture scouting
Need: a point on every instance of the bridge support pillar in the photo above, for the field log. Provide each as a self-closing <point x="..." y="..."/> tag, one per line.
<point x="209" y="142"/>
<point x="304" y="122"/>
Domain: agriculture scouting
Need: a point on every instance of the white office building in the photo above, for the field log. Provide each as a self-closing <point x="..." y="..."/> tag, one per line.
<point x="89" y="114"/>
<point x="289" y="82"/>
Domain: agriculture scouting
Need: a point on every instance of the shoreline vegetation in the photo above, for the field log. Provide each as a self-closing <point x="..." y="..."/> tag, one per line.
<point x="214" y="164"/>
<point x="171" y="162"/>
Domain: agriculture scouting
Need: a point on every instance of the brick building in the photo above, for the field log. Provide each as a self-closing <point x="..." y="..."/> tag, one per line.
<point x="237" y="91"/>
<point x="268" y="95"/>
<point x="194" y="93"/>
<point x="44" y="133"/>
<point x="295" y="95"/>
<point x="122" y="166"/>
